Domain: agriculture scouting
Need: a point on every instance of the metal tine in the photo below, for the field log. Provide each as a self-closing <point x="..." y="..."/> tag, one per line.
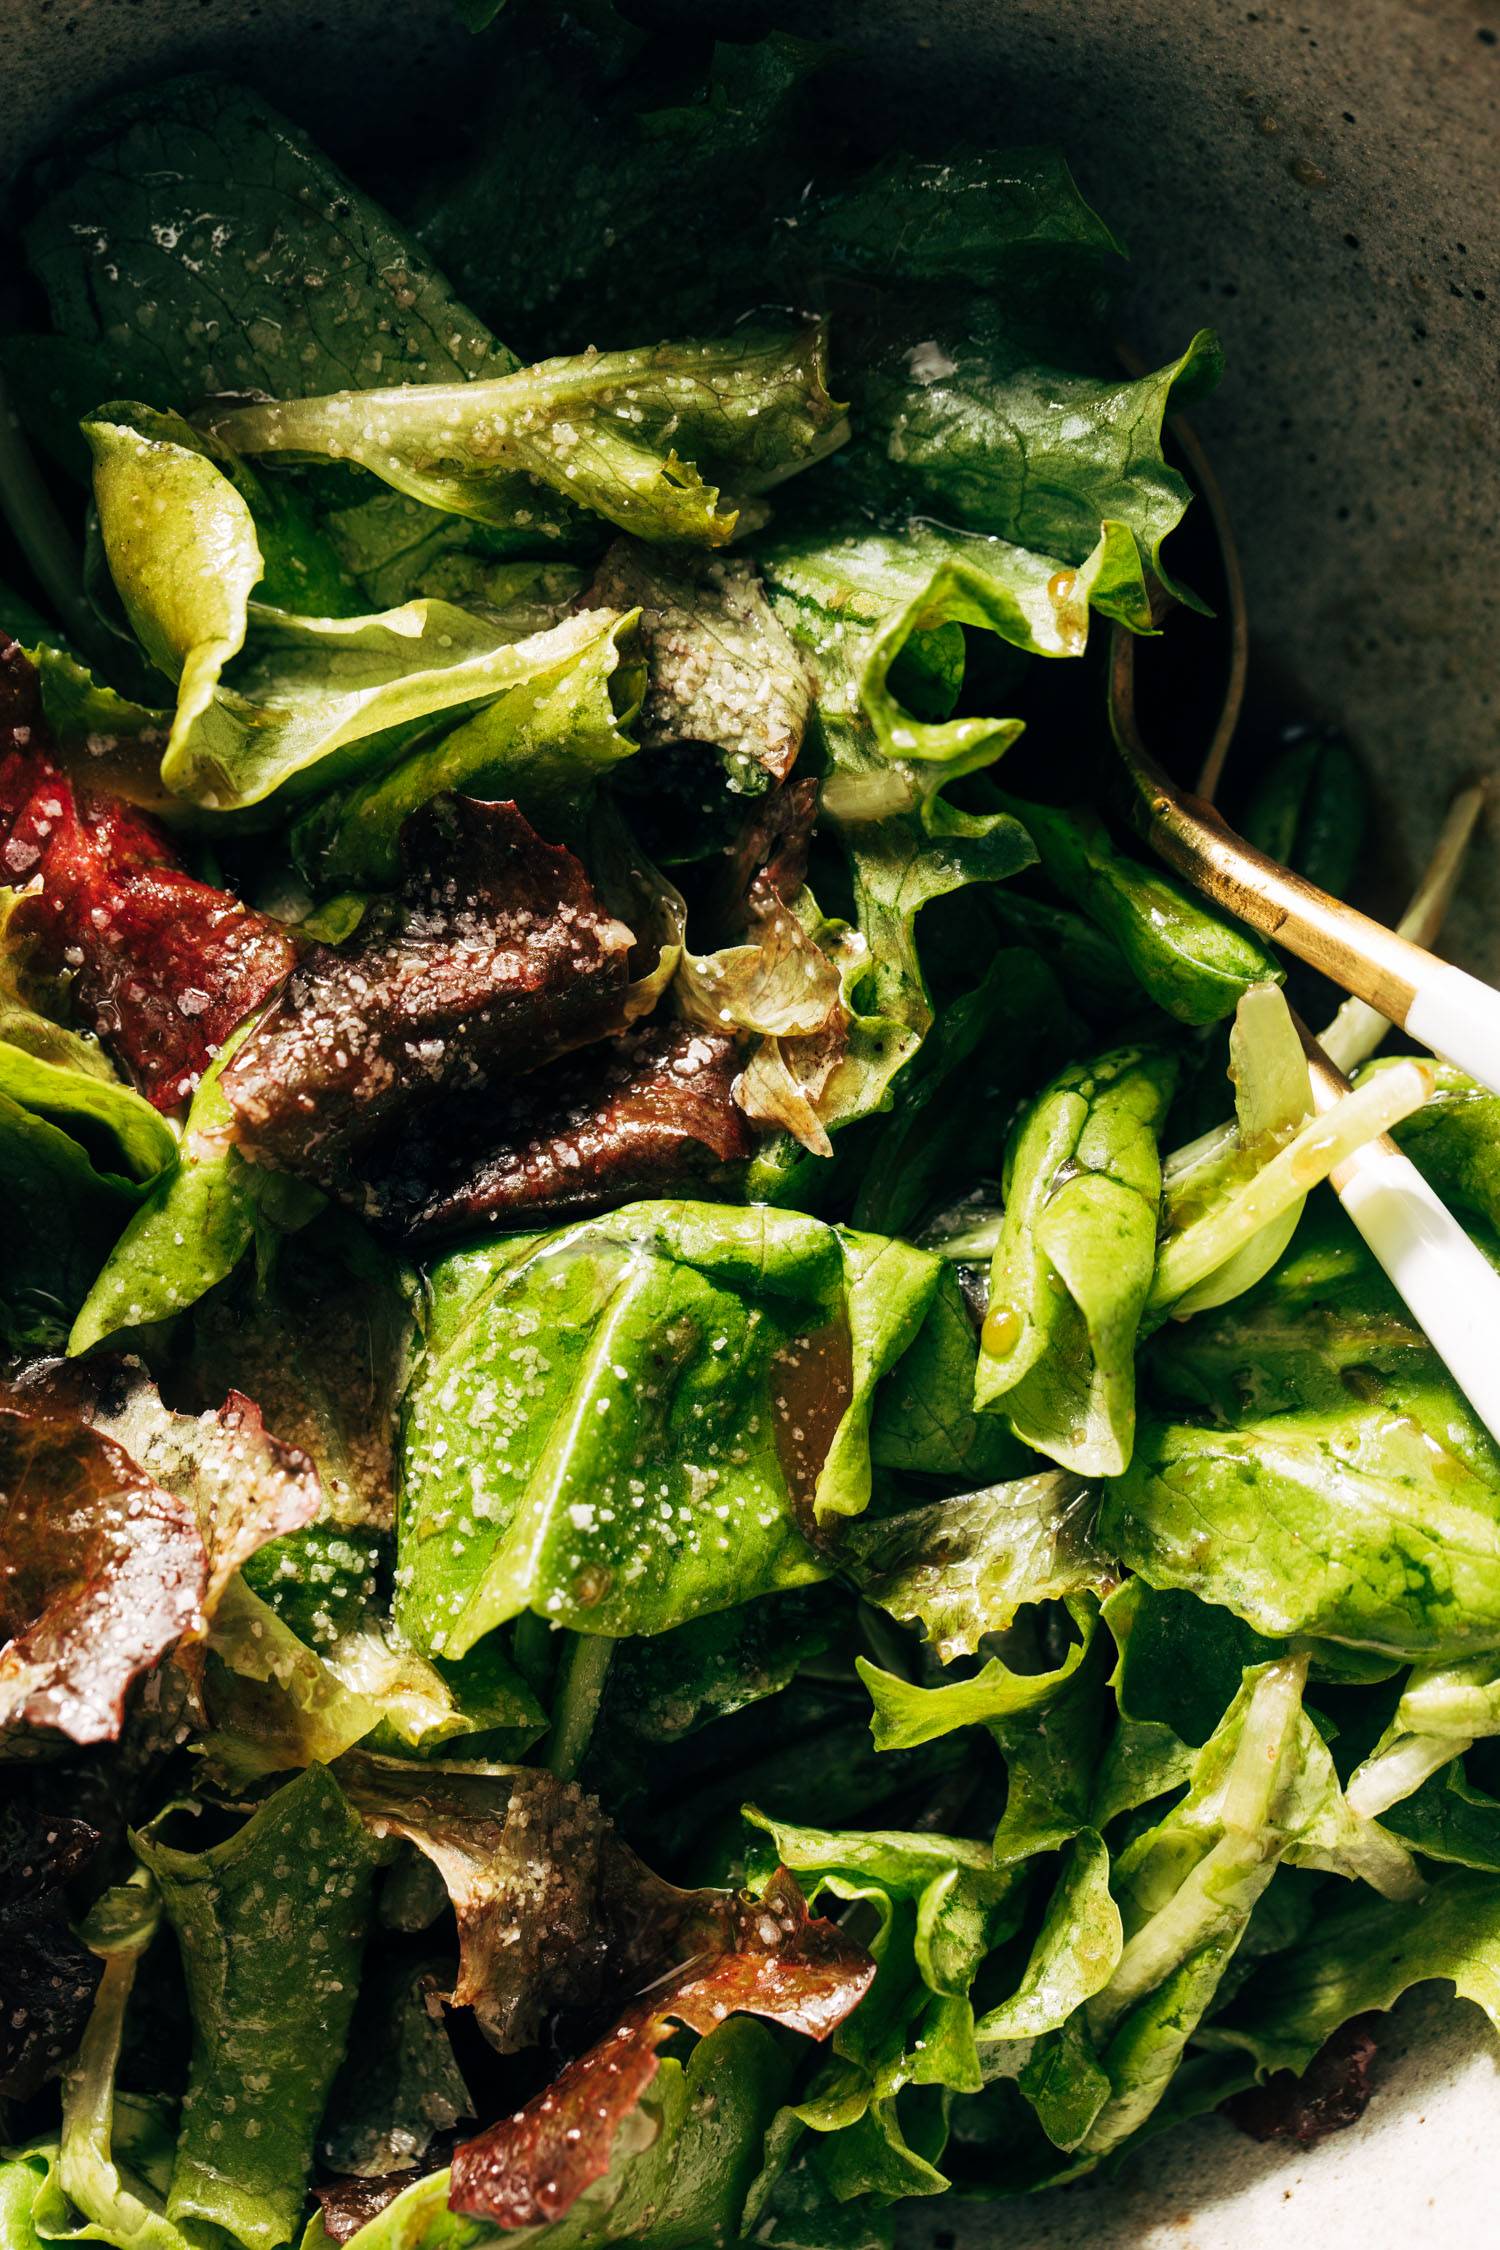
<point x="1442" y="1276"/>
<point x="1442" y="1006"/>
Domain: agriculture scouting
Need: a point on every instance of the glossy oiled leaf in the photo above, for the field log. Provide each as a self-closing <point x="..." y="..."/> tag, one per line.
<point x="108" y="2168"/>
<point x="1263" y="1788"/>
<point x="925" y="1421"/>
<point x="271" y="1924"/>
<point x="963" y="1567"/>
<point x="1076" y="1953"/>
<point x="650" y="1113"/>
<point x="722" y="669"/>
<point x="1073" y="1266"/>
<point x="1188" y="960"/>
<point x="978" y="433"/>
<point x="124" y="239"/>
<point x="494" y="957"/>
<point x="906" y="845"/>
<point x="764" y="1956"/>
<point x="560" y="715"/>
<point x="940" y="1904"/>
<point x="181" y="547"/>
<point x="101" y="1573"/>
<point x="316" y="699"/>
<point x="639" y="1418"/>
<point x="1338" y="1484"/>
<point x="199" y="1219"/>
<point x="671" y="443"/>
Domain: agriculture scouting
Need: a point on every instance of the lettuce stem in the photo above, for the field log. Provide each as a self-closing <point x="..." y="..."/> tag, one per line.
<point x="580" y="1685"/>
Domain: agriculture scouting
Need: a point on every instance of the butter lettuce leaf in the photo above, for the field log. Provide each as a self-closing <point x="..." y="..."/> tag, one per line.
<point x="671" y="443"/>
<point x="1073" y="1266"/>
<point x="190" y="240"/>
<point x="1332" y="1480"/>
<point x="640" y="1418"/>
<point x="271" y="1925"/>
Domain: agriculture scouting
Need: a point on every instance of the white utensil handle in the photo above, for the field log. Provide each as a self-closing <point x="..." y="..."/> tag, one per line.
<point x="1458" y="1016"/>
<point x="1449" y="1285"/>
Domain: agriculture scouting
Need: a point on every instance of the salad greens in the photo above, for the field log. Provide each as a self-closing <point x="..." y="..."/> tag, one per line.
<point x="705" y="1519"/>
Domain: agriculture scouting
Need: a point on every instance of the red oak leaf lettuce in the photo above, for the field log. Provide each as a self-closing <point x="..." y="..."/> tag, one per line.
<point x="120" y="1525"/>
<point x="762" y="1956"/>
<point x="162" y="967"/>
<point x="48" y="1976"/>
<point x="495" y="957"/>
<point x="101" y="1573"/>
<point x="554" y="1912"/>
<point x="649" y="1114"/>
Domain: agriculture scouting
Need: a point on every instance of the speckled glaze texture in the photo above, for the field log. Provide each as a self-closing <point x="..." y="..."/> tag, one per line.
<point x="1322" y="182"/>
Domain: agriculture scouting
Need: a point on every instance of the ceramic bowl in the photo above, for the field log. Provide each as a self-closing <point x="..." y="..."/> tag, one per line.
<point x="1320" y="180"/>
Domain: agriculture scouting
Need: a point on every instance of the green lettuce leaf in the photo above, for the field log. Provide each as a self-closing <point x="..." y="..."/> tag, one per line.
<point x="62" y="1218"/>
<point x="1077" y="1950"/>
<point x="191" y="241"/>
<point x="562" y="703"/>
<point x="1309" y="807"/>
<point x="601" y="146"/>
<point x="671" y="443"/>
<point x="1262" y="1789"/>
<point x="972" y="430"/>
<point x="271" y="1925"/>
<point x="1188" y="959"/>
<point x="985" y="1052"/>
<point x="400" y="2084"/>
<point x="118" y="2204"/>
<point x="1073" y="1266"/>
<point x="1338" y="1485"/>
<point x="941" y="1905"/>
<point x="197" y="1222"/>
<point x="907" y="1715"/>
<point x="974" y="218"/>
<point x="640" y="1418"/>
<point x="963" y="1567"/>
<point x="1362" y="1954"/>
<point x="924" y="1421"/>
<point x="182" y="547"/>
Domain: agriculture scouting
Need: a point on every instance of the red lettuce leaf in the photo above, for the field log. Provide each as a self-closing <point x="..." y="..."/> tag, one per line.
<point x="649" y="1114"/>
<point x="1330" y="2095"/>
<point x="759" y="1956"/>
<point x="48" y="1976"/>
<point x="495" y="958"/>
<point x="161" y="966"/>
<point x="351" y="2202"/>
<point x="554" y="1913"/>
<point x="120" y="1525"/>
<point x="101" y="1573"/>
